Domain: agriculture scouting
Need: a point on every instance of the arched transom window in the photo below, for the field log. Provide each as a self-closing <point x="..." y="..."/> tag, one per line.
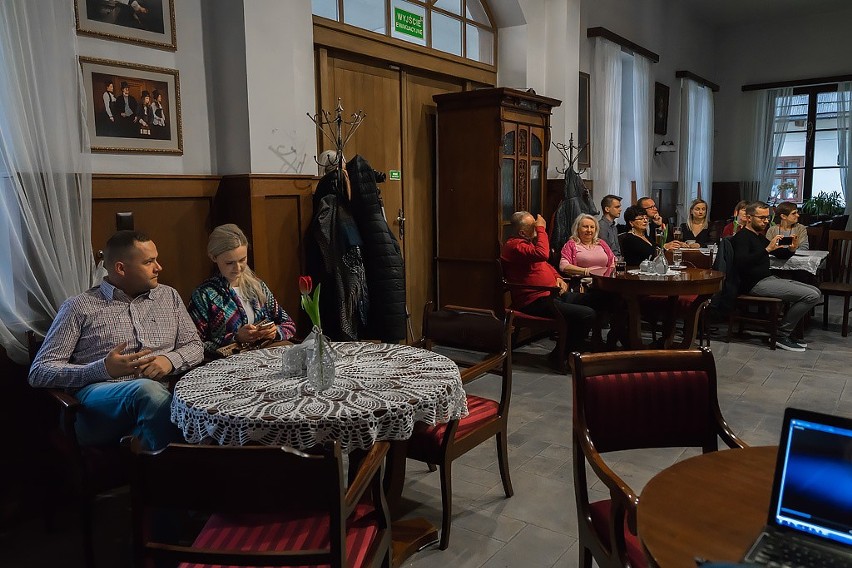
<point x="459" y="27"/>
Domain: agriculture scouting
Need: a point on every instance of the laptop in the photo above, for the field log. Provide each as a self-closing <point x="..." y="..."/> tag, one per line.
<point x="810" y="514"/>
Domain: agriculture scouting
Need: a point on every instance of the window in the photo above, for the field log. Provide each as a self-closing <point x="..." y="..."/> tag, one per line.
<point x="809" y="159"/>
<point x="458" y="27"/>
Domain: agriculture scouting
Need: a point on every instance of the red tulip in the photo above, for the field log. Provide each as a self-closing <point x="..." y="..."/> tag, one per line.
<point x="305" y="284"/>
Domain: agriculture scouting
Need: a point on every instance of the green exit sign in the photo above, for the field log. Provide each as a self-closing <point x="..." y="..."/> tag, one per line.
<point x="408" y="23"/>
<point x="395" y="175"/>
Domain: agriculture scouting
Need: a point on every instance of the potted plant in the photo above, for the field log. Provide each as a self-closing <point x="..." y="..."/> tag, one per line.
<point x="821" y="207"/>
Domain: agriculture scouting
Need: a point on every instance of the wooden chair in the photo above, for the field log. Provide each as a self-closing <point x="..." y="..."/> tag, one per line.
<point x="270" y="506"/>
<point x="818" y="235"/>
<point x="759" y="312"/>
<point x="487" y="345"/>
<point x="88" y="471"/>
<point x="536" y="324"/>
<point x="635" y="400"/>
<point x="838" y="281"/>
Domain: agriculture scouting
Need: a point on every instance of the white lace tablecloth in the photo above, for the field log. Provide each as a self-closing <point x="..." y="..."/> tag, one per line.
<point x="809" y="260"/>
<point x="380" y="391"/>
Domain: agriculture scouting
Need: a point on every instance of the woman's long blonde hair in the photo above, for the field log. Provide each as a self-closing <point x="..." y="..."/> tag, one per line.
<point x="706" y="215"/>
<point x="576" y="227"/>
<point x="226" y="238"/>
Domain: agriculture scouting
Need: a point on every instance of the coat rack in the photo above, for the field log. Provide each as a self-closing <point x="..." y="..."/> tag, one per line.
<point x="568" y="153"/>
<point x="336" y="129"/>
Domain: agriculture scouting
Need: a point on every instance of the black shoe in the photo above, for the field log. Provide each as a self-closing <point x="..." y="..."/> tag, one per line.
<point x="788" y="344"/>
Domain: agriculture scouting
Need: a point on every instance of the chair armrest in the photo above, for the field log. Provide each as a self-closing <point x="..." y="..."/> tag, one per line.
<point x="473" y="372"/>
<point x="370" y="467"/>
<point x="727" y="435"/>
<point x="552" y="289"/>
<point x="620" y="492"/>
<point x="65" y="400"/>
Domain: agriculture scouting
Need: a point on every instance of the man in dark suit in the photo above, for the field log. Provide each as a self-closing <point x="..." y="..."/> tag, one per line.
<point x="126" y="106"/>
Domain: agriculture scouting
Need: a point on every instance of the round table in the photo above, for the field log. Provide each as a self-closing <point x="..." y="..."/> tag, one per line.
<point x="632" y="286"/>
<point x="711" y="506"/>
<point x="380" y="391"/>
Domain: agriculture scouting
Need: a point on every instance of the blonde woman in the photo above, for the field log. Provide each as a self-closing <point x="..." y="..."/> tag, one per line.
<point x="235" y="305"/>
<point x="584" y="251"/>
<point x="696" y="228"/>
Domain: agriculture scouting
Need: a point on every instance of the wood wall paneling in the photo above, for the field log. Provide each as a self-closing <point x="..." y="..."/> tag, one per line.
<point x="173" y="210"/>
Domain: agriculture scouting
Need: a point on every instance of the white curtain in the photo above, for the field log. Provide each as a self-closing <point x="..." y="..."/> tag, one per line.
<point x="606" y="120"/>
<point x="696" y="145"/>
<point x="771" y="119"/>
<point x="844" y="142"/>
<point x="642" y="136"/>
<point x="45" y="169"/>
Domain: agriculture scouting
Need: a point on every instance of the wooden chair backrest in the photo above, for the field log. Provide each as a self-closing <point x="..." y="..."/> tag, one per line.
<point x="840" y="256"/>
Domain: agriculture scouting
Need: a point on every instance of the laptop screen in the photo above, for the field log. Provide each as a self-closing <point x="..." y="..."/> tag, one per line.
<point x="813" y="489"/>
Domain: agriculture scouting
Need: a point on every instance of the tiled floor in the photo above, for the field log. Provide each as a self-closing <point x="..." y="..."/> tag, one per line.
<point x="537" y="527"/>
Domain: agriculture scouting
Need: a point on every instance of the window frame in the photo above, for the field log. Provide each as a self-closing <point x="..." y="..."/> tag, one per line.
<point x="806" y="173"/>
<point x="430" y="8"/>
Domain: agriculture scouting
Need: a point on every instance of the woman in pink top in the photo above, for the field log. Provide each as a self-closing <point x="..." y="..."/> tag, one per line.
<point x="585" y="252"/>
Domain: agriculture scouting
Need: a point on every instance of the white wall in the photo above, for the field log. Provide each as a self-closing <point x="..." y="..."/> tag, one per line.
<point x="542" y="54"/>
<point x="772" y="51"/>
<point x="227" y="88"/>
<point x="189" y="61"/>
<point x="280" y="70"/>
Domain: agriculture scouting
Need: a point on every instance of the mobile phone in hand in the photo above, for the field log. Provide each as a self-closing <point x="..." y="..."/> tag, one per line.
<point x="785" y="241"/>
<point x="266" y="324"/>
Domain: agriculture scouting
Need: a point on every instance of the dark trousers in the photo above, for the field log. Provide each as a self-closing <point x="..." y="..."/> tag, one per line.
<point x="580" y="318"/>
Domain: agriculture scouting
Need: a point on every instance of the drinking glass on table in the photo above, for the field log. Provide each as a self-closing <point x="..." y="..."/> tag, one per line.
<point x="660" y="238"/>
<point x="677" y="257"/>
<point x="620" y="265"/>
<point x="677" y="233"/>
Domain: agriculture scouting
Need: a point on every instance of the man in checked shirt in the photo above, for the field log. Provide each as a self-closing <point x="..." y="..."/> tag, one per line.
<point x="115" y="345"/>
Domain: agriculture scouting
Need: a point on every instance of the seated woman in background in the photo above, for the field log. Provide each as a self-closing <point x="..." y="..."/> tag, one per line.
<point x="787" y="217"/>
<point x="226" y="307"/>
<point x="635" y="245"/>
<point x="584" y="251"/>
<point x="696" y="228"/>
<point x="738" y="222"/>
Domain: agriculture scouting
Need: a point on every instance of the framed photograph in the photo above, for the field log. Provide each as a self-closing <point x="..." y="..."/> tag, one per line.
<point x="584" y="157"/>
<point x="132" y="108"/>
<point x="661" y="108"/>
<point x="146" y="22"/>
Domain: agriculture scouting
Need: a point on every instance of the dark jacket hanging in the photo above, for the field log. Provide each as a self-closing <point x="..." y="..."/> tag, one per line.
<point x="576" y="200"/>
<point x="383" y="262"/>
<point x="333" y="254"/>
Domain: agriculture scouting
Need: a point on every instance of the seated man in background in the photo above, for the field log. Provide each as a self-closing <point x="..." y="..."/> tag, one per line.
<point x="611" y="207"/>
<point x="657" y="223"/>
<point x="115" y="345"/>
<point x="524" y="258"/>
<point x="751" y="261"/>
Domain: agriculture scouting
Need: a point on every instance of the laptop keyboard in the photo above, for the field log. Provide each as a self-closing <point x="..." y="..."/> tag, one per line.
<point x="786" y="552"/>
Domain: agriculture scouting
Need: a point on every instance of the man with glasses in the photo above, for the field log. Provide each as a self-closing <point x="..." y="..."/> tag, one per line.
<point x="656" y="222"/>
<point x="751" y="261"/>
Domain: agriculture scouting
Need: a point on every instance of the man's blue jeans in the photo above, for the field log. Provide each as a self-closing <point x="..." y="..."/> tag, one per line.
<point x="141" y="407"/>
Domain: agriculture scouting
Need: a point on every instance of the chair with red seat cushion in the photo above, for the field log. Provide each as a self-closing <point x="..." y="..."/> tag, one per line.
<point x="634" y="400"/>
<point x="536" y="324"/>
<point x="482" y="344"/>
<point x="271" y="506"/>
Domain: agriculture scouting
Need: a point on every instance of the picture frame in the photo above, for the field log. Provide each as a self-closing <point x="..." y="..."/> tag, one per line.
<point x="144" y="22"/>
<point x="661" y="108"/>
<point x="584" y="155"/>
<point x="148" y="119"/>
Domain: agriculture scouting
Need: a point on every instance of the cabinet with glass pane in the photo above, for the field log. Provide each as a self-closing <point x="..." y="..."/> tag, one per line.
<point x="492" y="161"/>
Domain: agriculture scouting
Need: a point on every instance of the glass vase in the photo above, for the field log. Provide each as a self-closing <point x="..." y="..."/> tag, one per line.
<point x="320" y="363"/>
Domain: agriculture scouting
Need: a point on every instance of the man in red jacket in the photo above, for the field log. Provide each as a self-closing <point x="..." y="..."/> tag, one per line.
<point x="524" y="258"/>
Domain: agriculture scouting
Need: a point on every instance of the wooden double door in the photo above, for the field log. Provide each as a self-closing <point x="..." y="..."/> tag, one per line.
<point x="398" y="134"/>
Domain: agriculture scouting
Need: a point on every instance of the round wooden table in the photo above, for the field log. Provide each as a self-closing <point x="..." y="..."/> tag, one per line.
<point x="698" y="282"/>
<point x="711" y="506"/>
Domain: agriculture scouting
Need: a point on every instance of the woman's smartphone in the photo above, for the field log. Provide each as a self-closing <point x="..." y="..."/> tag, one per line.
<point x="264" y="323"/>
<point x="785" y="241"/>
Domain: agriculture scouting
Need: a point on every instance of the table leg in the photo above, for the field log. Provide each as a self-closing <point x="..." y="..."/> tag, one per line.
<point x="409" y="535"/>
<point x="669" y="322"/>
<point x="634" y="323"/>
